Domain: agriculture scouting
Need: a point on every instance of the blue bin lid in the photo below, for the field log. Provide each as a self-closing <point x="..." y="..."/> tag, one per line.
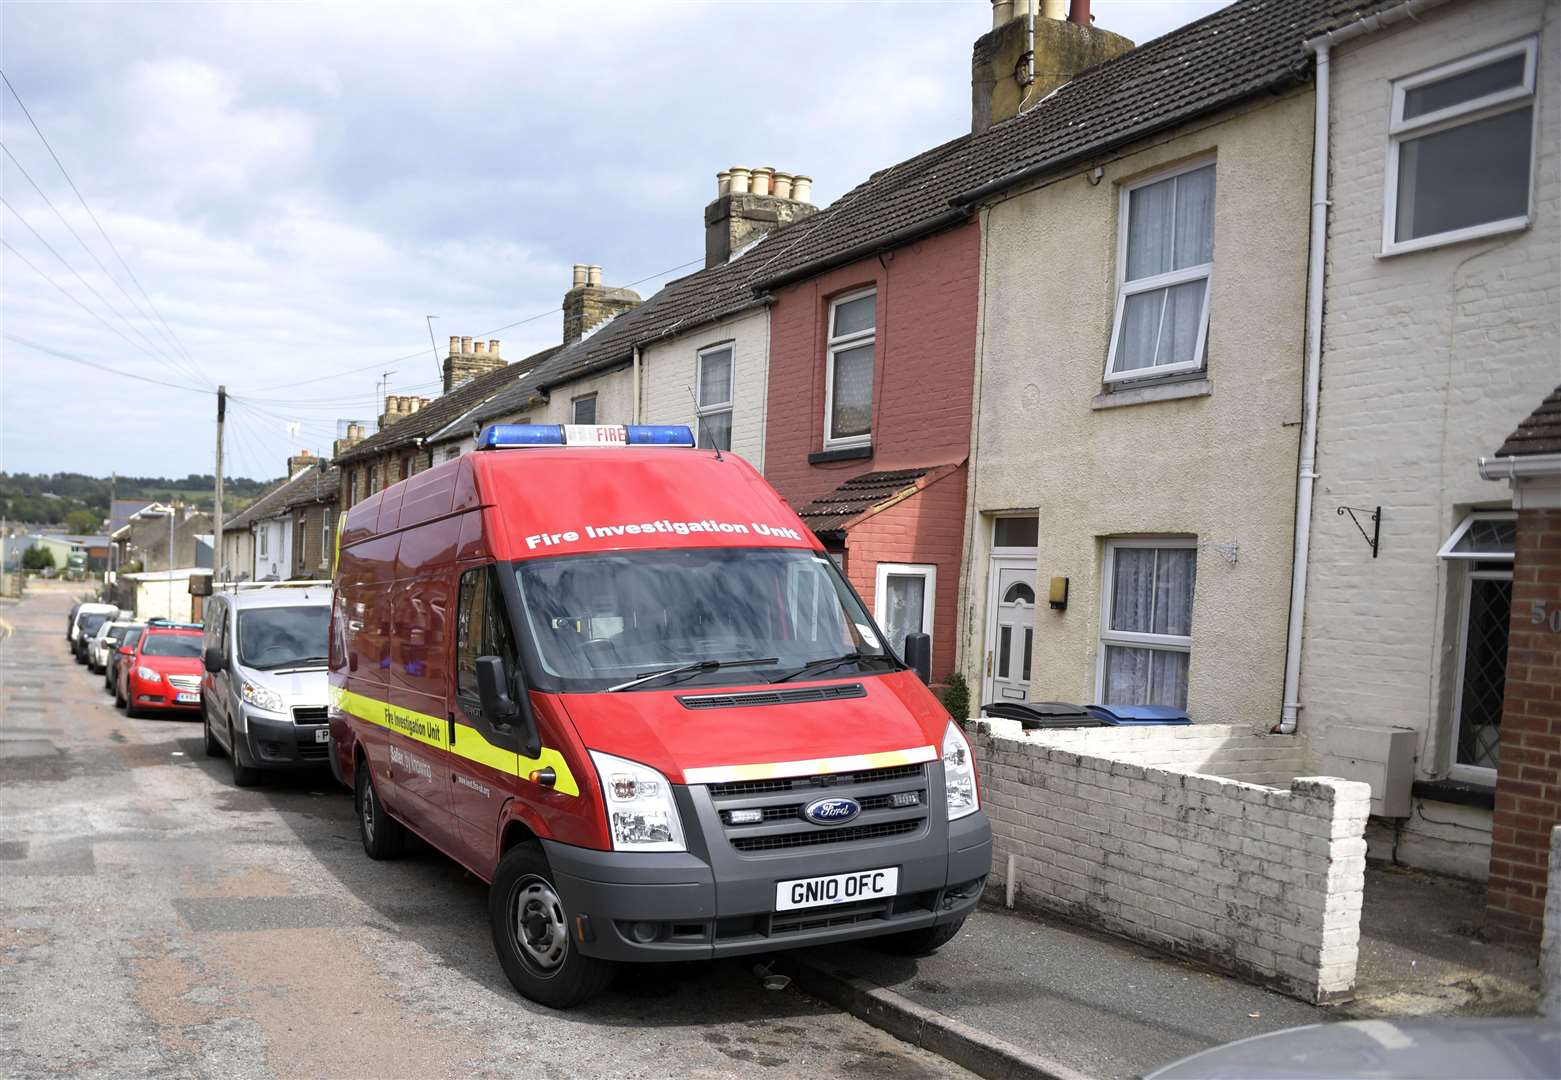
<point x="1139" y="714"/>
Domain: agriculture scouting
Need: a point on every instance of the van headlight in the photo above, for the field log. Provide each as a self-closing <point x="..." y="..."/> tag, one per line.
<point x="261" y="698"/>
<point x="640" y="812"/>
<point x="959" y="773"/>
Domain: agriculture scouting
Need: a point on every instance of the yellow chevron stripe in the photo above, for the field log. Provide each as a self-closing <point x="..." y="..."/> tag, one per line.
<point x="775" y="770"/>
<point x="469" y="742"/>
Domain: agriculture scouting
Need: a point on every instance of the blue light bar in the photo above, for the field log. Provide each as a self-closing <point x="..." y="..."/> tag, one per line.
<point x="660" y="435"/>
<point x="500" y="436"/>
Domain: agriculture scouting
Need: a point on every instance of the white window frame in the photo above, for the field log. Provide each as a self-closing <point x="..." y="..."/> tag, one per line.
<point x="265" y="536"/>
<point x="325" y="540"/>
<point x="1000" y="551"/>
<point x="1203" y="272"/>
<point x="1128" y="638"/>
<point x="1464" y="526"/>
<point x="1399" y="130"/>
<point x="703" y="408"/>
<point x="842" y="343"/>
<point x="1477" y="774"/>
<point x="929" y="575"/>
<point x="574" y="408"/>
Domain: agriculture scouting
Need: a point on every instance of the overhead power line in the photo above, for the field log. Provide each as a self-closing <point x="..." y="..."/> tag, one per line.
<point x="93" y="363"/>
<point x="101" y="231"/>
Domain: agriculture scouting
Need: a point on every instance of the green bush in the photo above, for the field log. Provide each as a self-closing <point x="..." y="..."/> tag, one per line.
<point x="38" y="557"/>
<point x="956" y="697"/>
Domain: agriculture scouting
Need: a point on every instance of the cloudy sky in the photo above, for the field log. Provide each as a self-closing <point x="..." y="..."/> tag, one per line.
<point x="292" y="188"/>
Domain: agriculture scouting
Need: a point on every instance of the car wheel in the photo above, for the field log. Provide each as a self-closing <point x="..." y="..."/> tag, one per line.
<point x="923" y="942"/>
<point x="243" y="775"/>
<point x="383" y="836"/>
<point x="209" y="741"/>
<point x="531" y="934"/>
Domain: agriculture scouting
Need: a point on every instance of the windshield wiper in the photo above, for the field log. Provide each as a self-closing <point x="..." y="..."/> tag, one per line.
<point x="698" y="665"/>
<point x="300" y="662"/>
<point x="825" y="663"/>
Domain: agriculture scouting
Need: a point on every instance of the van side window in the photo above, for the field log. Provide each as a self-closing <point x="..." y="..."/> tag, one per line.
<point x="481" y="629"/>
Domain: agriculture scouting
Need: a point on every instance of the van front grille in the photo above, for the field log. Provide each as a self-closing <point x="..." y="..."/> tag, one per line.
<point x="813" y="784"/>
<point x="310" y="714"/>
<point x="824" y="835"/>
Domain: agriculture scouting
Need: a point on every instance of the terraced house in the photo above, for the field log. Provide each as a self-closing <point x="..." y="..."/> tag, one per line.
<point x="288" y="532"/>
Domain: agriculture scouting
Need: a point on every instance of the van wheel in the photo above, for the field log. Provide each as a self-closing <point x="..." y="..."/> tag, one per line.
<point x="923" y="942"/>
<point x="209" y="741"/>
<point x="243" y="775"/>
<point x="531" y="934"/>
<point x="383" y="836"/>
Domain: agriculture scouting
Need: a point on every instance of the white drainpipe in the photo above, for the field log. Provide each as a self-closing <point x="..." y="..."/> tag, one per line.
<point x="1307" y="477"/>
<point x="634" y="410"/>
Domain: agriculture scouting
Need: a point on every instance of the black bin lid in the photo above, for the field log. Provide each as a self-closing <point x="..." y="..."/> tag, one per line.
<point x="1043" y="714"/>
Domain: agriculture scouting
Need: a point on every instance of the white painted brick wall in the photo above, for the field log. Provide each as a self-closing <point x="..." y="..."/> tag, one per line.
<point x="1118" y="828"/>
<point x="1429" y="359"/>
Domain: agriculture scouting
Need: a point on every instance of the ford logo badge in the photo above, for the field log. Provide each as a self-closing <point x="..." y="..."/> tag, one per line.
<point x="834" y="811"/>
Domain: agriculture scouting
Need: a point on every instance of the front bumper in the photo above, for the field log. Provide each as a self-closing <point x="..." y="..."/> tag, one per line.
<point x="274" y="742"/>
<point x="146" y="696"/>
<point x="688" y="906"/>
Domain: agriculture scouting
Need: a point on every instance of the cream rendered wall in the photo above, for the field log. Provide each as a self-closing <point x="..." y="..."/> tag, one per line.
<point x="1220" y="466"/>
<point x="1429" y="359"/>
<point x="614" y="392"/>
<point x="671" y="368"/>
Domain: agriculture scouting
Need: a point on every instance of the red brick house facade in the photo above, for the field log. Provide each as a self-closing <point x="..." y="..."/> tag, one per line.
<point x="1528" y="772"/>
<point x="871" y="443"/>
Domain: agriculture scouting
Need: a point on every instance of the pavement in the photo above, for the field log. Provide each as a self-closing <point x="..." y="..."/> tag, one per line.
<point x="157" y="921"/>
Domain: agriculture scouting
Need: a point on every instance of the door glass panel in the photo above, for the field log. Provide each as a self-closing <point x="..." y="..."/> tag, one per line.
<point x="1483" y="690"/>
<point x="1004" y="641"/>
<point x="1016" y="532"/>
<point x="1026" y="667"/>
<point x="1019" y="593"/>
<point x="904" y="608"/>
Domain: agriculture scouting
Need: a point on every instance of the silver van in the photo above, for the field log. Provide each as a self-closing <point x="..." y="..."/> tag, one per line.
<point x="264" y="694"/>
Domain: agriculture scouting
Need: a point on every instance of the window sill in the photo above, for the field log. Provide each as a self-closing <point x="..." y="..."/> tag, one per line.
<point x="1458" y="236"/>
<point x="1202" y="386"/>
<point x="844" y="453"/>
<point x="1456" y="792"/>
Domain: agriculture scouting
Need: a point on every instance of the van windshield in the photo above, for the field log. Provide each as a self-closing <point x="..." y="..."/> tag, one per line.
<point x="277" y="637"/>
<point x="599" y="621"/>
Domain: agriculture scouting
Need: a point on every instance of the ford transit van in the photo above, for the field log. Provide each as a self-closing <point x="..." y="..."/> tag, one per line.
<point x="617" y="678"/>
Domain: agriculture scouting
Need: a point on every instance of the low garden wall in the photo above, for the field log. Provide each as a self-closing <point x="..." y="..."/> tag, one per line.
<point x="1198" y="840"/>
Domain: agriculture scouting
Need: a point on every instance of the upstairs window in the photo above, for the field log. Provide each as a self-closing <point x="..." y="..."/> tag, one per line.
<point x="848" y="378"/>
<point x="585" y="410"/>
<point x="1461" y="149"/>
<point x="715" y="398"/>
<point x="1164" y="257"/>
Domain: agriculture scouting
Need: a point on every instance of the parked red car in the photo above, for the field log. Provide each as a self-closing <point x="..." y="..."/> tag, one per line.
<point x="164" y="672"/>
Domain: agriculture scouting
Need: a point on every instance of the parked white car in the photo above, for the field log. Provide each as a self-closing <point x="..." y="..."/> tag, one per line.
<point x="89" y="617"/>
<point x="105" y="641"/>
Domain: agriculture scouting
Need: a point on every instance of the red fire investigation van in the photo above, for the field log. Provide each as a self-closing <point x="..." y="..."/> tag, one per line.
<point x="617" y="678"/>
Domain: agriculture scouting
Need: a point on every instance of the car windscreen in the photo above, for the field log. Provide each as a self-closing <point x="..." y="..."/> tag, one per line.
<point x="116" y="634"/>
<point x="275" y="637"/>
<point x="90" y="624"/>
<point x="597" y="621"/>
<point x="187" y="646"/>
<point x="132" y="636"/>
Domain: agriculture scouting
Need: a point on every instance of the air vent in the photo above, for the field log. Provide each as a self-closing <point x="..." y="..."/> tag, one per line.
<point x="798" y="696"/>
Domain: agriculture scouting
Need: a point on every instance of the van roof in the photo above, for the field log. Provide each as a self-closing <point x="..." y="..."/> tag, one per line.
<point x="309" y="596"/>
<point x="568" y="500"/>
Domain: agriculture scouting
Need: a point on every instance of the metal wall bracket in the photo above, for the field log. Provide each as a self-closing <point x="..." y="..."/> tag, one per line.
<point x="1376" y="524"/>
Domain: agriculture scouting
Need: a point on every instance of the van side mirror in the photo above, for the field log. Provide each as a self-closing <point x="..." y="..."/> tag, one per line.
<point x="212" y="659"/>
<point x="918" y="654"/>
<point x="501" y="710"/>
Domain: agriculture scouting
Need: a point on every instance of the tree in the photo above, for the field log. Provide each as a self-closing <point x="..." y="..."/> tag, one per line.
<point x="38" y="557"/>
<point x="82" y="522"/>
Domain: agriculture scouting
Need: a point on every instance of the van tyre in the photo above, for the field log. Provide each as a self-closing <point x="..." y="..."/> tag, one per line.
<point x="243" y="775"/>
<point x="209" y="741"/>
<point x="383" y="836"/>
<point x="923" y="942"/>
<point x="531" y="934"/>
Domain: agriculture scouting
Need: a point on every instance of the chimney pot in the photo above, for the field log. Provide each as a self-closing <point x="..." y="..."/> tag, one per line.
<point x="1002" y="11"/>
<point x="479" y="348"/>
<point x="780" y="185"/>
<point x="759" y="182"/>
<point x="493" y="348"/>
<point x="466" y="346"/>
<point x="455" y="345"/>
<point x="739" y="182"/>
<point x="578" y="277"/>
<point x="593" y="276"/>
<point x="1054" y="9"/>
<point x="723" y="182"/>
<point x="1078" y="12"/>
<point x="801" y="188"/>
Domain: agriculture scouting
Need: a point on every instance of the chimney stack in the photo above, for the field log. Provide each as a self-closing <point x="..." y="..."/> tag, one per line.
<point x="469" y="359"/>
<point x="750" y="203"/>
<point x="299" y="462"/>
<point x="353" y="436"/>
<point x="589" y="303"/>
<point x="1008" y="75"/>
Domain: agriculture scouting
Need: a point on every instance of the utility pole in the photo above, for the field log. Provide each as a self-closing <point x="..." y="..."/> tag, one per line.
<point x="173" y="512"/>
<point x="216" y="517"/>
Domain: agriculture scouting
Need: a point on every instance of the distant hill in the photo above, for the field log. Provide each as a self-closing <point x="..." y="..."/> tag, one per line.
<point x="70" y="498"/>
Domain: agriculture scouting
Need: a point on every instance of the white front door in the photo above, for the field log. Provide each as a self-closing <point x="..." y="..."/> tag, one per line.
<point x="1010" y="629"/>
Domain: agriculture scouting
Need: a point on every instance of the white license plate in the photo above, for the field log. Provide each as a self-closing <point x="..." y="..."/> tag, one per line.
<point x="836" y="889"/>
<point x="189" y="696"/>
<point x="323" y="735"/>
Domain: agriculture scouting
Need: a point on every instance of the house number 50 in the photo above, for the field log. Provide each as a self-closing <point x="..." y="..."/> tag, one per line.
<point x="1539" y="616"/>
